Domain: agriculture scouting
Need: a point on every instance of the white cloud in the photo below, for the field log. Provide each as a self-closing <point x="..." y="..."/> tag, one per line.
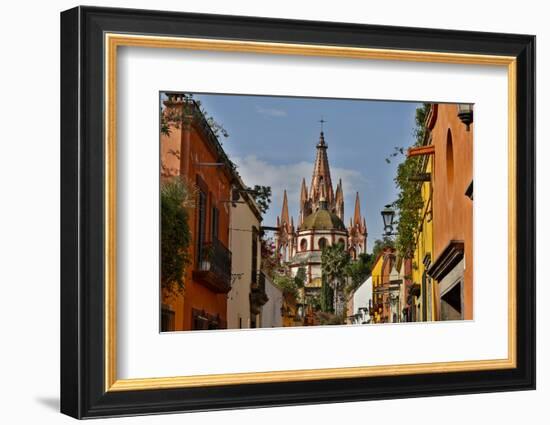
<point x="271" y="112"/>
<point x="289" y="176"/>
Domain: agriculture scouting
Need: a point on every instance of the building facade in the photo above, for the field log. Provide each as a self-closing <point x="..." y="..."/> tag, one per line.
<point x="452" y="265"/>
<point x="442" y="286"/>
<point x="387" y="282"/>
<point x="271" y="315"/>
<point x="423" y="298"/>
<point x="361" y="304"/>
<point x="244" y="238"/>
<point x="188" y="152"/>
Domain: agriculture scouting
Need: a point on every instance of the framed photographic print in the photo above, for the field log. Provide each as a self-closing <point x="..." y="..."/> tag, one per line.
<point x="261" y="212"/>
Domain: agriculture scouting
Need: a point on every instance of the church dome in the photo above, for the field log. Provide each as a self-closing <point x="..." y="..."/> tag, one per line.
<point x="322" y="219"/>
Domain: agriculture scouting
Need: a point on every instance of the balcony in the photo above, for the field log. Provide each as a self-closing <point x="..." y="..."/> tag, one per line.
<point x="258" y="296"/>
<point x="214" y="267"/>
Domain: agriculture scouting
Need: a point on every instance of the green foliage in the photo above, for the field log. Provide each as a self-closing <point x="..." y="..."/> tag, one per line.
<point x="409" y="200"/>
<point x="327" y="318"/>
<point x="262" y="197"/>
<point x="327" y="296"/>
<point x="164" y="123"/>
<point x="379" y="245"/>
<point x="300" y="278"/>
<point x="175" y="199"/>
<point x="176" y="119"/>
<point x="217" y="128"/>
<point x="287" y="284"/>
<point x="314" y="301"/>
<point x="334" y="260"/>
<point x="358" y="271"/>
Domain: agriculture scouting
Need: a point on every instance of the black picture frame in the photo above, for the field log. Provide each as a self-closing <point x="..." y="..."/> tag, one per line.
<point x="82" y="212"/>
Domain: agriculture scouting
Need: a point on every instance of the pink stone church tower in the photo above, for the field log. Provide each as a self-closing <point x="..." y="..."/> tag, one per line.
<point x="320" y="222"/>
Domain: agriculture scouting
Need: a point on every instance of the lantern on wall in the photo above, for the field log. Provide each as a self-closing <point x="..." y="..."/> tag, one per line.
<point x="466" y="114"/>
<point x="387" y="217"/>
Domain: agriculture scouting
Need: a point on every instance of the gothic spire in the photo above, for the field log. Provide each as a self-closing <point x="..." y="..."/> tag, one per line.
<point x="357" y="213"/>
<point x="284" y="212"/>
<point x="323" y="193"/>
<point x="339" y="200"/>
<point x="338" y="191"/>
<point x="303" y="193"/>
<point x="321" y="174"/>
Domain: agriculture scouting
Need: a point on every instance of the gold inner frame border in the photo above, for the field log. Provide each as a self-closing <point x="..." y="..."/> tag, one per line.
<point x="113" y="40"/>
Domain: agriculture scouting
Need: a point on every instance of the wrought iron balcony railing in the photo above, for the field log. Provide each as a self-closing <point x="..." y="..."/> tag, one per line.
<point x="214" y="267"/>
<point x="258" y="296"/>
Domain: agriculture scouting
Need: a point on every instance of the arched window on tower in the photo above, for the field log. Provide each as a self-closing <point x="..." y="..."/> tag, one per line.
<point x="322" y="243"/>
<point x="303" y="245"/>
<point x="342" y="241"/>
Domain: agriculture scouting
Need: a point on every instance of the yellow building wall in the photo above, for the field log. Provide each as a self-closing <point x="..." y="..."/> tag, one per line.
<point x="376" y="274"/>
<point x="424" y="245"/>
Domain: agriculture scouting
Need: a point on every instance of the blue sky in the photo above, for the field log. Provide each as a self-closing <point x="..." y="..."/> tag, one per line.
<point x="272" y="140"/>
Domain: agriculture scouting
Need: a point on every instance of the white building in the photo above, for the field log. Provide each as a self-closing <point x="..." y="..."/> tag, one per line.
<point x="271" y="316"/>
<point x="244" y="244"/>
<point x="362" y="300"/>
<point x="394" y="295"/>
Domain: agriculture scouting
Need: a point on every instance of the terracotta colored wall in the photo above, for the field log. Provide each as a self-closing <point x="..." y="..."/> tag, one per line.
<point x="453" y="210"/>
<point x="197" y="296"/>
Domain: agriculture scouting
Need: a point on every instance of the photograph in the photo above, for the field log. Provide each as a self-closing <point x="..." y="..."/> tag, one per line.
<point x="279" y="211"/>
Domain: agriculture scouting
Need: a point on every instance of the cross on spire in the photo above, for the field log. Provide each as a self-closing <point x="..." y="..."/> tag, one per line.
<point x="322" y="121"/>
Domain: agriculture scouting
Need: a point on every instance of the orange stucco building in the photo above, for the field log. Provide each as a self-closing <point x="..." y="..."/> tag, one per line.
<point x="192" y="151"/>
<point x="451" y="265"/>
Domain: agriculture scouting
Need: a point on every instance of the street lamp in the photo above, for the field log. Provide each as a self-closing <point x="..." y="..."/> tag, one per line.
<point x="466" y="114"/>
<point x="387" y="216"/>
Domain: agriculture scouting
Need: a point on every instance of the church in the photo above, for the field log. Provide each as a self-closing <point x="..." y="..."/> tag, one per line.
<point x="320" y="223"/>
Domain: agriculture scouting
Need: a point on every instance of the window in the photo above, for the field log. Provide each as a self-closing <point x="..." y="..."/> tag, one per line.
<point x="201" y="211"/>
<point x="199" y="319"/>
<point x="167" y="319"/>
<point x="451" y="303"/>
<point x="424" y="297"/>
<point x="202" y="320"/>
<point x="342" y="241"/>
<point x="201" y="234"/>
<point x="303" y="245"/>
<point x="215" y="223"/>
<point x="449" y="157"/>
<point x="429" y="301"/>
<point x="322" y="243"/>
